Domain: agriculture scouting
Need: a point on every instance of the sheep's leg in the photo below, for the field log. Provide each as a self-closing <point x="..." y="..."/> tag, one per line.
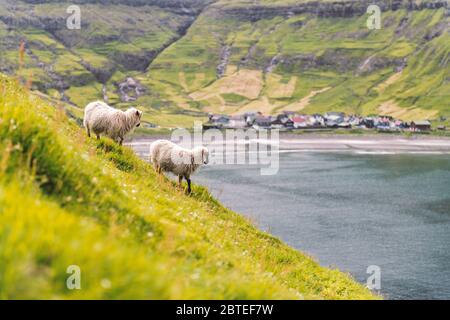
<point x="98" y="137"/>
<point x="120" y="140"/>
<point x="189" y="184"/>
<point x="180" y="181"/>
<point x="160" y="177"/>
<point x="88" y="131"/>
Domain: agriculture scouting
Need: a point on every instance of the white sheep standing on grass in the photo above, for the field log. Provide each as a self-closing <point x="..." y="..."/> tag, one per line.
<point x="168" y="157"/>
<point x="101" y="118"/>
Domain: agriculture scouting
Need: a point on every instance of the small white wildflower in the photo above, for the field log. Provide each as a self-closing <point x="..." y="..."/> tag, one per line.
<point x="105" y="283"/>
<point x="98" y="246"/>
<point x="195" y="276"/>
<point x="194" y="214"/>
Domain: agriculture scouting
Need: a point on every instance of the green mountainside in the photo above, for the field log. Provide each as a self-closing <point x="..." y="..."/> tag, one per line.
<point x="179" y="60"/>
<point x="69" y="201"/>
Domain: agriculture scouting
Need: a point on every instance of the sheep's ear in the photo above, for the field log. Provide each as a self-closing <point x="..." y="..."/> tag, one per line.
<point x="138" y="113"/>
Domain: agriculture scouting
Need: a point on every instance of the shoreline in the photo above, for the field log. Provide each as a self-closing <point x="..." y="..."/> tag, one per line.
<point x="359" y="144"/>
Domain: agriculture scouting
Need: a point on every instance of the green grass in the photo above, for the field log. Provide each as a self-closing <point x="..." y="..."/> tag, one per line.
<point x="233" y="98"/>
<point x="69" y="200"/>
<point x="81" y="96"/>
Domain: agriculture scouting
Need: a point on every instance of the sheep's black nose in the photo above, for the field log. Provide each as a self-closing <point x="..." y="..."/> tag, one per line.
<point x="138" y="125"/>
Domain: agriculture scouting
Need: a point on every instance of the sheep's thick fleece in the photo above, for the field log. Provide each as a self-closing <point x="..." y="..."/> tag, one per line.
<point x="101" y="118"/>
<point x="169" y="157"/>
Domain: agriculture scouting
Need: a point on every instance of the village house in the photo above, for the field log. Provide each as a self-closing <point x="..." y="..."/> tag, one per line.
<point x="368" y="123"/>
<point x="218" y="120"/>
<point x="250" y="117"/>
<point x="354" y="120"/>
<point x="344" y="124"/>
<point x="334" y="116"/>
<point x="289" y="120"/>
<point x="262" y="122"/>
<point x="316" y="121"/>
<point x="422" y="125"/>
<point x="282" y="121"/>
<point x="276" y="123"/>
<point x="300" y="122"/>
<point x="383" y="122"/>
<point x="332" y="119"/>
<point x="237" y="121"/>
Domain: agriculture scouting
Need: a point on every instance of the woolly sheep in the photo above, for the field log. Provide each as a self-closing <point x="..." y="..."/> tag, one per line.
<point x="168" y="157"/>
<point x="101" y="118"/>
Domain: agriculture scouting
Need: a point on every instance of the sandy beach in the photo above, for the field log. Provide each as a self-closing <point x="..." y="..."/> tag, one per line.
<point x="365" y="144"/>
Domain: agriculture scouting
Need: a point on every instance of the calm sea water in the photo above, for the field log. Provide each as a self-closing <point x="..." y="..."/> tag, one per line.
<point x="351" y="211"/>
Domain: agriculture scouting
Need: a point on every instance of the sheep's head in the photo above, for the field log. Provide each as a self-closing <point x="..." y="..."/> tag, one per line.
<point x="201" y="155"/>
<point x="205" y="155"/>
<point x="135" y="115"/>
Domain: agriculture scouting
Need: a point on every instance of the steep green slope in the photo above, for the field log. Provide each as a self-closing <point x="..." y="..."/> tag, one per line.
<point x="69" y="200"/>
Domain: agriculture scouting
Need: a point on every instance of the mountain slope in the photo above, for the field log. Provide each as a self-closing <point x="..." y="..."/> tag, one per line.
<point x="180" y="59"/>
<point x="276" y="55"/>
<point x="117" y="40"/>
<point x="69" y="200"/>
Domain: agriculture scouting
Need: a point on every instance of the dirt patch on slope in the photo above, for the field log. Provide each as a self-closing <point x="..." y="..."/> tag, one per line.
<point x="247" y="83"/>
<point x="391" y="108"/>
<point x="392" y="79"/>
<point x="302" y="103"/>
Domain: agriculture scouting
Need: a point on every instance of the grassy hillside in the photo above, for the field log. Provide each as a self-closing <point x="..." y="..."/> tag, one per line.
<point x="275" y="59"/>
<point x="193" y="57"/>
<point x="68" y="200"/>
<point x="117" y="40"/>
